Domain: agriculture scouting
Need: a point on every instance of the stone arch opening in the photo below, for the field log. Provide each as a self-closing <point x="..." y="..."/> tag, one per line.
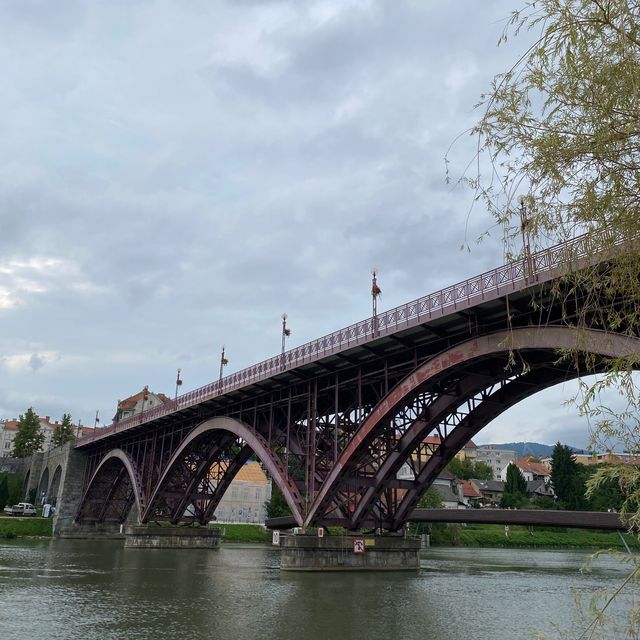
<point x="54" y="489"/>
<point x="43" y="486"/>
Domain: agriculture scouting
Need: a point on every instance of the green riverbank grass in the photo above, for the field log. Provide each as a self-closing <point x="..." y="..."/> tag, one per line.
<point x="245" y="533"/>
<point x="492" y="535"/>
<point x="11" y="527"/>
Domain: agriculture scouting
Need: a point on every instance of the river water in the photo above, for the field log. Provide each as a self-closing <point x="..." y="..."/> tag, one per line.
<point x="71" y="590"/>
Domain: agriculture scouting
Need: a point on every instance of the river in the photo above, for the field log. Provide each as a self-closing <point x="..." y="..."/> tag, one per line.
<point x="65" y="589"/>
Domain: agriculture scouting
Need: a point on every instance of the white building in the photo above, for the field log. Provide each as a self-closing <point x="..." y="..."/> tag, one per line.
<point x="497" y="459"/>
<point x="144" y="400"/>
<point x="243" y="501"/>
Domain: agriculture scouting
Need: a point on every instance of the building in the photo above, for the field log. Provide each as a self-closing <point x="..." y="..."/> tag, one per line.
<point x="497" y="459"/>
<point x="144" y="400"/>
<point x="470" y="492"/>
<point x="490" y="490"/>
<point x="9" y="430"/>
<point x="608" y="457"/>
<point x="530" y="470"/>
<point x="244" y="500"/>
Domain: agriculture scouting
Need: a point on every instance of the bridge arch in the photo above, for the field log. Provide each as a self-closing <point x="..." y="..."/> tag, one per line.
<point x="54" y="487"/>
<point x="222" y="443"/>
<point x="43" y="485"/>
<point x="467" y="382"/>
<point x="112" y="490"/>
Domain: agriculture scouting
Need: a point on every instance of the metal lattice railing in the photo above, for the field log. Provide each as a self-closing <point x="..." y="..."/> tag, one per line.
<point x="543" y="266"/>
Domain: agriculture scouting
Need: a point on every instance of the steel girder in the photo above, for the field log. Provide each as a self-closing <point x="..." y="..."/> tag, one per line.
<point x="387" y="437"/>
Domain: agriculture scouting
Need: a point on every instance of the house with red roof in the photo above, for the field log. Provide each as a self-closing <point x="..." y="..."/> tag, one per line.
<point x="139" y="402"/>
<point x="530" y="469"/>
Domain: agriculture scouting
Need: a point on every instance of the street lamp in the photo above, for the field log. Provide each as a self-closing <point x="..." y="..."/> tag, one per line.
<point x="524" y="230"/>
<point x="286" y="332"/>
<point x="178" y="384"/>
<point x="375" y="292"/>
<point x="223" y="362"/>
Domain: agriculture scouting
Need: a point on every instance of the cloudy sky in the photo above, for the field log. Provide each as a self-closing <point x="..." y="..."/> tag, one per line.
<point x="176" y="175"/>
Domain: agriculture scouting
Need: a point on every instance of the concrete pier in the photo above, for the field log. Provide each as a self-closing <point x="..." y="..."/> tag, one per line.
<point x="171" y="538"/>
<point x="349" y="553"/>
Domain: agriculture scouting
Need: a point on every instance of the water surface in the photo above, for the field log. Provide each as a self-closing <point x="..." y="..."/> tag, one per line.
<point x="99" y="590"/>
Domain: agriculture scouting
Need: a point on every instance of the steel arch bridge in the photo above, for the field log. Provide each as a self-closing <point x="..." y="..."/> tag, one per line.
<point x="334" y="420"/>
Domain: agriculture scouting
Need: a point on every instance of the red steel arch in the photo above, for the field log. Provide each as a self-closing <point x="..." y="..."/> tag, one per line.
<point x="115" y="481"/>
<point x="255" y="443"/>
<point x="546" y="340"/>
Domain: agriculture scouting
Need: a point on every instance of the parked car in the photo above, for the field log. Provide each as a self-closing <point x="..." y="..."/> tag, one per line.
<point x="21" y="509"/>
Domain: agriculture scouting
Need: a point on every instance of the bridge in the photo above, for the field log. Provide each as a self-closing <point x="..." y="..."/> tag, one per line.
<point x="335" y="419"/>
<point x="535" y="517"/>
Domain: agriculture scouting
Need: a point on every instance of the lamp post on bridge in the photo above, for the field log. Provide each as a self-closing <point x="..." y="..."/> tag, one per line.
<point x="526" y="247"/>
<point x="375" y="292"/>
<point x="286" y="332"/>
<point x="223" y="362"/>
<point x="178" y="384"/>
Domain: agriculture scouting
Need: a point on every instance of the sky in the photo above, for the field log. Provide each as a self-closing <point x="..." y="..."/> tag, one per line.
<point x="176" y="175"/>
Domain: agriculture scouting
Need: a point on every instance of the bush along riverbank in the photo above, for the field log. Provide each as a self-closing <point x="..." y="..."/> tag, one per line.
<point x="493" y="535"/>
<point x="25" y="527"/>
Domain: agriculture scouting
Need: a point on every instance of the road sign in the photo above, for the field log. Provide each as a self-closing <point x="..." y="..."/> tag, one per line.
<point x="320" y="532"/>
<point x="275" y="538"/>
<point x="358" y="545"/>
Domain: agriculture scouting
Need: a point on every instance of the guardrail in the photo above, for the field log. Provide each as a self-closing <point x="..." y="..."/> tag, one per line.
<point x="539" y="267"/>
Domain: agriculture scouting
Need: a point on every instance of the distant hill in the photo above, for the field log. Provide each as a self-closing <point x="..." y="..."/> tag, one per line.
<point x="529" y="448"/>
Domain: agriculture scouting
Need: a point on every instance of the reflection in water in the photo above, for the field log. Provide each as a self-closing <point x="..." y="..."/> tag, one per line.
<point x="95" y="590"/>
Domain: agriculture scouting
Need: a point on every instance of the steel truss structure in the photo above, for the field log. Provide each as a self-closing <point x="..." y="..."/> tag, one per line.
<point x="334" y="432"/>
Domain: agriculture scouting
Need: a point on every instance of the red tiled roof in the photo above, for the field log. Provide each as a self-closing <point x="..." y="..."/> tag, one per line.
<point x="132" y="401"/>
<point x="469" y="490"/>
<point x="537" y="468"/>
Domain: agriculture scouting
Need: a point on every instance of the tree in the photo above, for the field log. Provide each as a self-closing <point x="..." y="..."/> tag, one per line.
<point x="430" y="499"/>
<point x="4" y="492"/>
<point x="63" y="432"/>
<point x="568" y="478"/>
<point x="29" y="437"/>
<point x="467" y="469"/>
<point x="277" y="506"/>
<point x="607" y="494"/>
<point x="515" y="489"/>
<point x="561" y="128"/>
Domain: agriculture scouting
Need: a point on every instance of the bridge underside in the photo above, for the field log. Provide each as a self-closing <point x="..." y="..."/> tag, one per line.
<point x="346" y="441"/>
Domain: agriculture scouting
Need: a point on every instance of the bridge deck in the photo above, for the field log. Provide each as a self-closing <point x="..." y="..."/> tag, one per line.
<point x="484" y="291"/>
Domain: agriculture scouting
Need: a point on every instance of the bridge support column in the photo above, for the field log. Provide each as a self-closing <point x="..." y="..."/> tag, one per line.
<point x="349" y="553"/>
<point x="171" y="537"/>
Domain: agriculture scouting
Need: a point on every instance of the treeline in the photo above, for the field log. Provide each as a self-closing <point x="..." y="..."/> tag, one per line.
<point x="30" y="436"/>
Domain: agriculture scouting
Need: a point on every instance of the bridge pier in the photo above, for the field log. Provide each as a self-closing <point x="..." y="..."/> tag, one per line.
<point x="142" y="537"/>
<point x="349" y="553"/>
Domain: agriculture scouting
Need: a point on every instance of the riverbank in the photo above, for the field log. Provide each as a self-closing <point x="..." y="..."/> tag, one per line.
<point x="493" y="535"/>
<point x="11" y="527"/>
<point x="489" y="536"/>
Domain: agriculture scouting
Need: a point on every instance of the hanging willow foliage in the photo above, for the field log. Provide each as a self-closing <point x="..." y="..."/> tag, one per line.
<point x="559" y="139"/>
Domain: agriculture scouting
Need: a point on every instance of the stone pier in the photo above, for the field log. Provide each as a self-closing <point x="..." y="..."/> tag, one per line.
<point x="141" y="537"/>
<point x="349" y="553"/>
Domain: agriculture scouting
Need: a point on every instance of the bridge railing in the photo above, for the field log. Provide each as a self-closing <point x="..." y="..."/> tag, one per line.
<point x="539" y="267"/>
